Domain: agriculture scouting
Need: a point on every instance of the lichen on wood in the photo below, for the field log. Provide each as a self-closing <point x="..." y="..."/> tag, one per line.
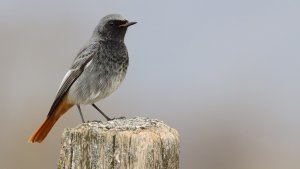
<point x="135" y="143"/>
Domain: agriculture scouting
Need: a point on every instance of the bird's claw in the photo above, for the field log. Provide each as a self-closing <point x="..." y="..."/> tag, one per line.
<point x="116" y="118"/>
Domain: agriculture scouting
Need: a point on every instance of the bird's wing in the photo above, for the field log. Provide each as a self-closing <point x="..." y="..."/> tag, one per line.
<point x="75" y="71"/>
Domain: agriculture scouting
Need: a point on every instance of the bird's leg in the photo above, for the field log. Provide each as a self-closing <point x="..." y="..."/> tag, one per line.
<point x="107" y="118"/>
<point x="79" y="109"/>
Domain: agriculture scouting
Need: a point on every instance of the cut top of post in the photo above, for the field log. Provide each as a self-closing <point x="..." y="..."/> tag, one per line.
<point x="132" y="143"/>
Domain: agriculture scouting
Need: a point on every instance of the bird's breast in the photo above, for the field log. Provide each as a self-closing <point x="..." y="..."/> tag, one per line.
<point x="98" y="80"/>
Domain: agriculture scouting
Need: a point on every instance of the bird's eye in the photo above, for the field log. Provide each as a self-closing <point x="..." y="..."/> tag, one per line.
<point x="111" y="23"/>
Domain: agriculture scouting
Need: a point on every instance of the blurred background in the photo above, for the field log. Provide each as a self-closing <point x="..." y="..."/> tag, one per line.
<point x="225" y="74"/>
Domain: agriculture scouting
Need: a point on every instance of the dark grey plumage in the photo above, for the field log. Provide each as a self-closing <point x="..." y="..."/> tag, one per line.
<point x="100" y="65"/>
<point x="97" y="71"/>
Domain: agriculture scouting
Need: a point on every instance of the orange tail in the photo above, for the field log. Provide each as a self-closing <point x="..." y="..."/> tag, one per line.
<point x="44" y="129"/>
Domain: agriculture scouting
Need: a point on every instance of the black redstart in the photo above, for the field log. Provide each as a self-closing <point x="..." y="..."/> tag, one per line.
<point x="97" y="71"/>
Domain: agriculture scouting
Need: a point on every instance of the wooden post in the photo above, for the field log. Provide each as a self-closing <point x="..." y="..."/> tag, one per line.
<point x="135" y="143"/>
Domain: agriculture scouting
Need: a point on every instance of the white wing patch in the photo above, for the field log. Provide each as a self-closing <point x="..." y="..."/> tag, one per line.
<point x="88" y="64"/>
<point x="65" y="77"/>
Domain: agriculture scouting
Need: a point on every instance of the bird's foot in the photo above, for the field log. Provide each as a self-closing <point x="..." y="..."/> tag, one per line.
<point x="116" y="118"/>
<point x="94" y="121"/>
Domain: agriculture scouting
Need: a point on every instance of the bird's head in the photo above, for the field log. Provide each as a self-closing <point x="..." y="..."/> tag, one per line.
<point x="112" y="27"/>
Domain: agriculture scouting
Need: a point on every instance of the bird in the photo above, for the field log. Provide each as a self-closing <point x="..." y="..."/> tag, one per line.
<point x="97" y="71"/>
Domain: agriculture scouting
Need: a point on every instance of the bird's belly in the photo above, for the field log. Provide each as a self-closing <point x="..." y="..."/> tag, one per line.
<point x="92" y="87"/>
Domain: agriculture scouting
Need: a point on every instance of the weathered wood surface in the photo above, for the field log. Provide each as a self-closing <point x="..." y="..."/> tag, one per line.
<point x="136" y="143"/>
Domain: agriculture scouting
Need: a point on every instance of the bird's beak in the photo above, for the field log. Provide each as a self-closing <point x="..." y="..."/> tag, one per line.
<point x="127" y="24"/>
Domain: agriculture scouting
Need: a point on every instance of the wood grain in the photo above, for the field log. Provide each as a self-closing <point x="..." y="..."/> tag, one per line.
<point x="135" y="143"/>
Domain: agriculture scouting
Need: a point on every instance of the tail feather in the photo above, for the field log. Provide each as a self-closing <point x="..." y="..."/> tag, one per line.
<point x="40" y="134"/>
